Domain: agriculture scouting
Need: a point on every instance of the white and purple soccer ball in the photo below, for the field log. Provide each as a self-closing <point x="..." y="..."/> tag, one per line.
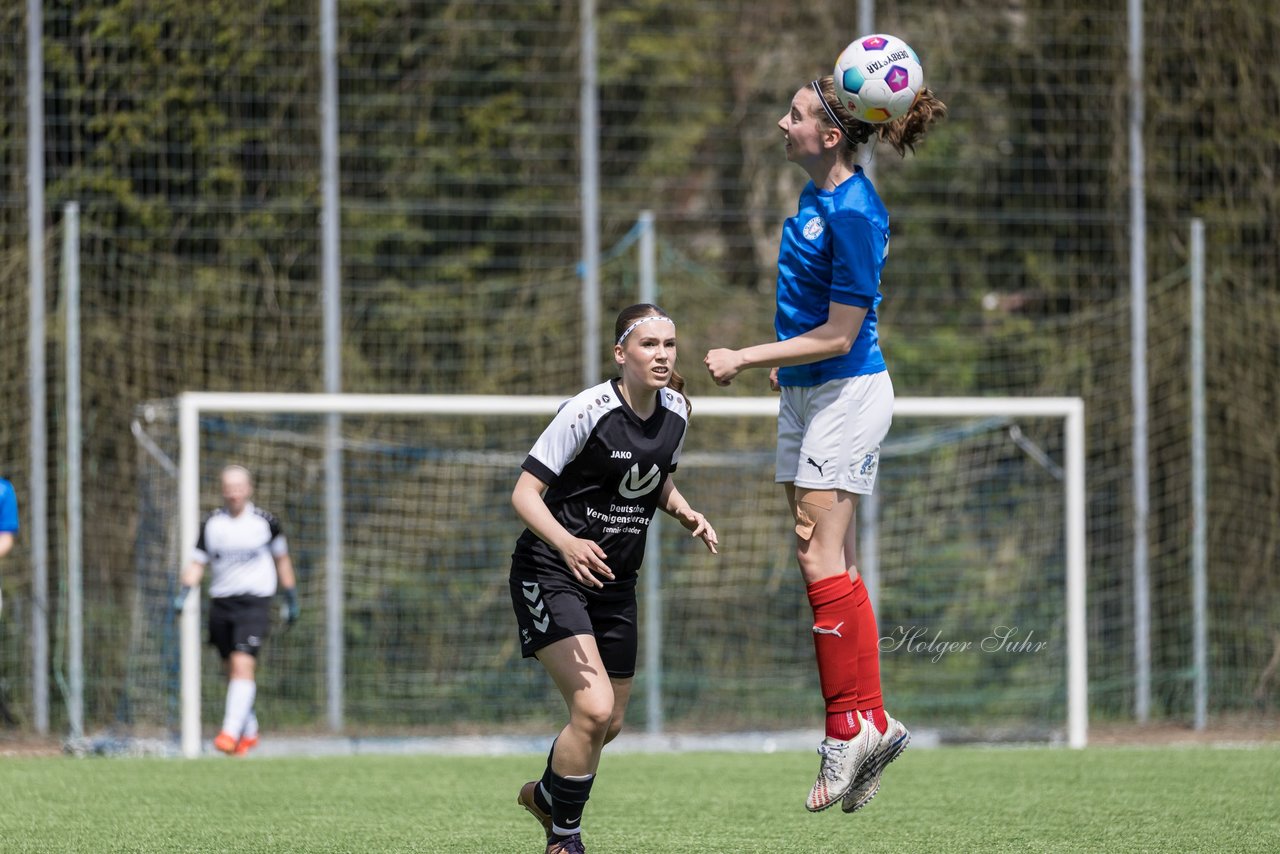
<point x="878" y="78"/>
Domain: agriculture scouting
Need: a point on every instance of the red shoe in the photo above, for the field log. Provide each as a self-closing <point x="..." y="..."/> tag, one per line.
<point x="246" y="743"/>
<point x="225" y="742"/>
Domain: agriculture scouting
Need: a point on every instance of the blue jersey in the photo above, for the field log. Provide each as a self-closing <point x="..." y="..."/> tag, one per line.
<point x="8" y="508"/>
<point x="832" y="250"/>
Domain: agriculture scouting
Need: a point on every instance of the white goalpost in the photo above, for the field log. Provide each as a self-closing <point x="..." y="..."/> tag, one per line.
<point x="1059" y="540"/>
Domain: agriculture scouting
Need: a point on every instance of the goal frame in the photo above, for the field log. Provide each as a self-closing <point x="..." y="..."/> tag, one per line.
<point x="193" y="404"/>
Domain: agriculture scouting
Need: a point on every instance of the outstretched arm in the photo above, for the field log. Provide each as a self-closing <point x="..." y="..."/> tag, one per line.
<point x="676" y="506"/>
<point x="833" y="338"/>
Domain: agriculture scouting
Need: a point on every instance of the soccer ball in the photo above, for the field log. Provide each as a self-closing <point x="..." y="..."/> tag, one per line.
<point x="878" y="77"/>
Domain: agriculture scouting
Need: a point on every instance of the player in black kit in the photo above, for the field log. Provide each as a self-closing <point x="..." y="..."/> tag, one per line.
<point x="589" y="489"/>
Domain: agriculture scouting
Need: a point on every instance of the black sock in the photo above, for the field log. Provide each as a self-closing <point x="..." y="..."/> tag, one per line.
<point x="568" y="798"/>
<point x="542" y="791"/>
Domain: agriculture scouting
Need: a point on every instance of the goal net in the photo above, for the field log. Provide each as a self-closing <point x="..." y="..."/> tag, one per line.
<point x="973" y="548"/>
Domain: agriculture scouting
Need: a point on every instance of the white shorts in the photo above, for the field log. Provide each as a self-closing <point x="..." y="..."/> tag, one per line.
<point x="829" y="435"/>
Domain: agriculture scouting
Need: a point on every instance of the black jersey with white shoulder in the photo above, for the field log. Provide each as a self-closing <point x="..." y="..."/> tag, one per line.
<point x="605" y="468"/>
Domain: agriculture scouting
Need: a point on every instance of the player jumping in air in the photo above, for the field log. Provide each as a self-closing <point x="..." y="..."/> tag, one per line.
<point x="837" y="402"/>
<point x="589" y="489"/>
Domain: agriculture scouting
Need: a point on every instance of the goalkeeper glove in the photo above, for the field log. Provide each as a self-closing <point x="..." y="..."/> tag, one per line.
<point x="180" y="601"/>
<point x="290" y="610"/>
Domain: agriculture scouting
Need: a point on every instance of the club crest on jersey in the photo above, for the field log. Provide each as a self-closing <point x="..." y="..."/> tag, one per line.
<point x="634" y="484"/>
<point x="813" y="228"/>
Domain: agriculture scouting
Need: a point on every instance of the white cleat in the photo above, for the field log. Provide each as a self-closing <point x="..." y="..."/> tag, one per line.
<point x="841" y="762"/>
<point x="888" y="748"/>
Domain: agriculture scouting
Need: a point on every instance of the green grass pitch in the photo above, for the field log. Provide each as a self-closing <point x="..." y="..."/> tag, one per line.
<point x="950" y="799"/>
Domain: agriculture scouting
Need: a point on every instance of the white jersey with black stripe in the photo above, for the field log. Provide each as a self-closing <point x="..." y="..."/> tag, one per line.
<point x="605" y="468"/>
<point x="241" y="551"/>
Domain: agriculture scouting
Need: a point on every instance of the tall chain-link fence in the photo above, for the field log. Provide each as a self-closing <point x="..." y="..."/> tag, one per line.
<point x="189" y="135"/>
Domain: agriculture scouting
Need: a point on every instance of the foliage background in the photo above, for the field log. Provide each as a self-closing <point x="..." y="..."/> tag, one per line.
<point x="188" y="132"/>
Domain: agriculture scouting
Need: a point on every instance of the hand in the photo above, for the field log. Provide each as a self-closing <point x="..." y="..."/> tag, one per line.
<point x="180" y="601"/>
<point x="773" y="380"/>
<point x="700" y="527"/>
<point x="290" y="610"/>
<point x="585" y="560"/>
<point x="723" y="365"/>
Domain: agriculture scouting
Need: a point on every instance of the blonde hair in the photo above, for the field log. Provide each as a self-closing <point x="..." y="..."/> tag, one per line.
<point x="903" y="133"/>
<point x="235" y="468"/>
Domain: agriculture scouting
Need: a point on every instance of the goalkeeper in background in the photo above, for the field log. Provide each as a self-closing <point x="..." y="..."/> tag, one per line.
<point x="587" y="493"/>
<point x="837" y="402"/>
<point x="248" y="556"/>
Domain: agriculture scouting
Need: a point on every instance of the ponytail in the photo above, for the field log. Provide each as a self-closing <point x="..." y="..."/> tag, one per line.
<point x="908" y="129"/>
<point x="902" y="133"/>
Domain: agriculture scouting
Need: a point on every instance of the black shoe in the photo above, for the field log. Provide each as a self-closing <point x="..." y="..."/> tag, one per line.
<point x="566" y="845"/>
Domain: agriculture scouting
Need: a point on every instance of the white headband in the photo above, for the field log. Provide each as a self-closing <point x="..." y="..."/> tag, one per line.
<point x="646" y="319"/>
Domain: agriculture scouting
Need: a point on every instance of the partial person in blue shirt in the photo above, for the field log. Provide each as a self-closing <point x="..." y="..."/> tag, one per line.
<point x="8" y="516"/>
<point x="8" y="522"/>
<point x="836" y="407"/>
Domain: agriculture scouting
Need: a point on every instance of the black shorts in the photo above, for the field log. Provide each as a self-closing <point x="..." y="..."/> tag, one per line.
<point x="551" y="606"/>
<point x="239" y="623"/>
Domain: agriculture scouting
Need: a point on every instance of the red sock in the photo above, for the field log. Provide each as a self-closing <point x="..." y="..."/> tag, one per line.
<point x="876" y="718"/>
<point x="870" y="698"/>
<point x="835" y="642"/>
<point x="843" y="725"/>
